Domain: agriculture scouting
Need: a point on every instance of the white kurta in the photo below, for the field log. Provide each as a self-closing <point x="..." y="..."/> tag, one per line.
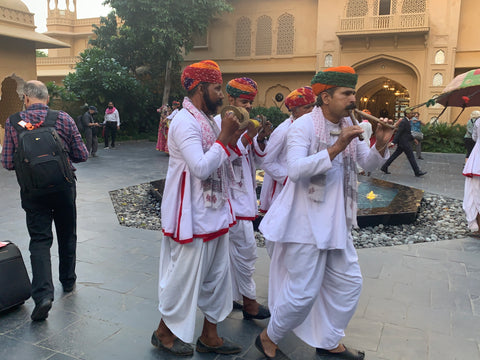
<point x="294" y="217"/>
<point x="194" y="265"/>
<point x="243" y="246"/>
<point x="275" y="165"/>
<point x="184" y="215"/>
<point x="315" y="280"/>
<point x="471" y="197"/>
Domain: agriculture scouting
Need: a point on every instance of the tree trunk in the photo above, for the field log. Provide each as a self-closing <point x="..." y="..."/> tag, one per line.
<point x="166" y="87"/>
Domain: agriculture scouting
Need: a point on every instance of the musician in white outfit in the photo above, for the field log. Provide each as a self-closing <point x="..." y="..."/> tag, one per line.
<point x="315" y="278"/>
<point x="299" y="102"/>
<point x="196" y="216"/>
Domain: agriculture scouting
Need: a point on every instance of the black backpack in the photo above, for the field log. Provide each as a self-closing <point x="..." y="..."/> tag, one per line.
<point x="79" y="123"/>
<point x="41" y="161"/>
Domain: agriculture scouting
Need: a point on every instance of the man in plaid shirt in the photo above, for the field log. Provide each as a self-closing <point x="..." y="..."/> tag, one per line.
<point x="42" y="209"/>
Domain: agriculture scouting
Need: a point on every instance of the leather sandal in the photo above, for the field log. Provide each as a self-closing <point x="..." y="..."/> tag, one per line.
<point x="228" y="347"/>
<point x="279" y="355"/>
<point x="347" y="354"/>
<point x="179" y="347"/>
<point x="263" y="313"/>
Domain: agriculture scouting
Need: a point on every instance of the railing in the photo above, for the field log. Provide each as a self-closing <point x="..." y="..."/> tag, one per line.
<point x="417" y="22"/>
<point x="64" y="60"/>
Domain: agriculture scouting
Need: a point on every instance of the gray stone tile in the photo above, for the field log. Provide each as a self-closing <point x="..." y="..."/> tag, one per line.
<point x="426" y="318"/>
<point x="398" y="342"/>
<point x="363" y="334"/>
<point x="386" y="310"/>
<point x="452" y="347"/>
<point x="13" y="349"/>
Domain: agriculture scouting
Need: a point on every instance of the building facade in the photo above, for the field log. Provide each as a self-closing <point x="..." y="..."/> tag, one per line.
<point x="404" y="51"/>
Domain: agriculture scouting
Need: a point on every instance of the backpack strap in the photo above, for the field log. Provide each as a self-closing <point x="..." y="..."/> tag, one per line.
<point x="14" y="120"/>
<point x="51" y="118"/>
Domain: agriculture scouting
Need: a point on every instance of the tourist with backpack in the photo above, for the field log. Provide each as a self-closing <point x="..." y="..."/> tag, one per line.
<point x="40" y="145"/>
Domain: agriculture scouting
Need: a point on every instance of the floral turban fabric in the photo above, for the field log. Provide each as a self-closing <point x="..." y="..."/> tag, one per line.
<point x="203" y="71"/>
<point x="244" y="88"/>
<point x="333" y="77"/>
<point x="299" y="97"/>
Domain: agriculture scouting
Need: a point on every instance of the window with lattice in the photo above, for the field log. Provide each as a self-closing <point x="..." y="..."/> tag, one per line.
<point x="437" y="79"/>
<point x="328" y="60"/>
<point x="440" y="57"/>
<point x="385" y="7"/>
<point x="243" y="38"/>
<point x="200" y="40"/>
<point x="264" y="36"/>
<point x="357" y="8"/>
<point x="285" y="34"/>
<point x="414" y="6"/>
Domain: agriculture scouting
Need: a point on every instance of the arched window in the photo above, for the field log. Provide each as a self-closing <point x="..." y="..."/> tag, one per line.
<point x="264" y="36"/>
<point x="437" y="79"/>
<point x="328" y="60"/>
<point x="440" y="57"/>
<point x="413" y="6"/>
<point x="286" y="34"/>
<point x="243" y="38"/>
<point x="357" y="8"/>
<point x="384" y="7"/>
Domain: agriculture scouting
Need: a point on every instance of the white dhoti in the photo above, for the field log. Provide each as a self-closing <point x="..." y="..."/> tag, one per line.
<point x="471" y="201"/>
<point x="312" y="292"/>
<point x="243" y="255"/>
<point x="191" y="275"/>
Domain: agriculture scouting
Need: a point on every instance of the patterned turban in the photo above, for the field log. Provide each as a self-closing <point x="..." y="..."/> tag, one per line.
<point x="203" y="71"/>
<point x="299" y="97"/>
<point x="244" y="88"/>
<point x="176" y="103"/>
<point x="332" y="77"/>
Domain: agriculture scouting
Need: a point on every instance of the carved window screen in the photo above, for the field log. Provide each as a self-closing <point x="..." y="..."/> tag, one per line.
<point x="437" y="79"/>
<point x="413" y="6"/>
<point x="440" y="57"/>
<point x="264" y="36"/>
<point x="328" y="60"/>
<point x="285" y="34"/>
<point x="243" y="39"/>
<point x="357" y="8"/>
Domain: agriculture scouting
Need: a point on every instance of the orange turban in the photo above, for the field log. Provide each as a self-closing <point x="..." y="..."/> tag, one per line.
<point x="203" y="71"/>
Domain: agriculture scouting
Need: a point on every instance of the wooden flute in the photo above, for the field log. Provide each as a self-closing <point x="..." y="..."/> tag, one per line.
<point x="355" y="122"/>
<point x="371" y="118"/>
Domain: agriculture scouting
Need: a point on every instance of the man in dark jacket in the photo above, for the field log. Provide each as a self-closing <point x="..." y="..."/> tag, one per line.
<point x="40" y="210"/>
<point x="90" y="127"/>
<point x="403" y="139"/>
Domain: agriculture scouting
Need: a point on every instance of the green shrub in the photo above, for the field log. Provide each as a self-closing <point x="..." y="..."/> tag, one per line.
<point x="273" y="114"/>
<point x="443" y="138"/>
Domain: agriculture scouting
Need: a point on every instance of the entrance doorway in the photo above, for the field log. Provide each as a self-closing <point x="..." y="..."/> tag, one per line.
<point x="384" y="97"/>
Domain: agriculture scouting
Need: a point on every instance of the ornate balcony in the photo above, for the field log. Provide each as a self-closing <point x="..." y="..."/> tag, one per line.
<point x="413" y="23"/>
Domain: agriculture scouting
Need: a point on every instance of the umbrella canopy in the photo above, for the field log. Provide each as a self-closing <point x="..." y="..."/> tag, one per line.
<point x="463" y="91"/>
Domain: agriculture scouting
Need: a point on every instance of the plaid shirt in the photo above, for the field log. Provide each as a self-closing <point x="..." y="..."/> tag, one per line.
<point x="66" y="129"/>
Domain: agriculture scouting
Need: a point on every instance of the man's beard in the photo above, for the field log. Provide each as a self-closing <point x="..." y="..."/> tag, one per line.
<point x="211" y="106"/>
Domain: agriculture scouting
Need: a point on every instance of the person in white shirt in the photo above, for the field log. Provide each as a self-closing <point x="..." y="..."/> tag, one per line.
<point x="243" y="247"/>
<point x="299" y="102"/>
<point x="196" y="215"/>
<point x="315" y="280"/>
<point x="111" y="121"/>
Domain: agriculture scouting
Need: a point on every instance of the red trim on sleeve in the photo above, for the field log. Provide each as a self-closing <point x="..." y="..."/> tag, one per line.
<point x="182" y="194"/>
<point x="249" y="139"/>
<point x="224" y="148"/>
<point x="248" y="218"/>
<point x="257" y="153"/>
<point x="235" y="149"/>
<point x="285" y="181"/>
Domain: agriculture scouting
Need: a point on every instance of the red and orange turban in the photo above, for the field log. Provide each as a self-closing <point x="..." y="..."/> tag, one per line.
<point x="333" y="77"/>
<point x="244" y="88"/>
<point x="203" y="71"/>
<point x="299" y="97"/>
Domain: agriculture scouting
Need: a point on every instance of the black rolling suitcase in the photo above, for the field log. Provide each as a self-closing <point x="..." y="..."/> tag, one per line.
<point x="15" y="286"/>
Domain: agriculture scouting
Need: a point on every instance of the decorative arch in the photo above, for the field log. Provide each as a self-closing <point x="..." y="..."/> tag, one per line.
<point x="243" y="37"/>
<point x="328" y="62"/>
<point x="285" y="34"/>
<point x="270" y="95"/>
<point x="437" y="79"/>
<point x="263" y="43"/>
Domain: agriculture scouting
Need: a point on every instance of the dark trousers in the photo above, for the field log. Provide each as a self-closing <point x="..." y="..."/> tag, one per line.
<point x="110" y="131"/>
<point x="408" y="152"/>
<point x="91" y="141"/>
<point x="41" y="210"/>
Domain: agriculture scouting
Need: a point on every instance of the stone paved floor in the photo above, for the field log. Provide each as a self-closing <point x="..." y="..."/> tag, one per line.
<point x="418" y="301"/>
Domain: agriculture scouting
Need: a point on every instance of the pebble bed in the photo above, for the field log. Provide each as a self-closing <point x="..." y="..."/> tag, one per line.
<point x="440" y="218"/>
